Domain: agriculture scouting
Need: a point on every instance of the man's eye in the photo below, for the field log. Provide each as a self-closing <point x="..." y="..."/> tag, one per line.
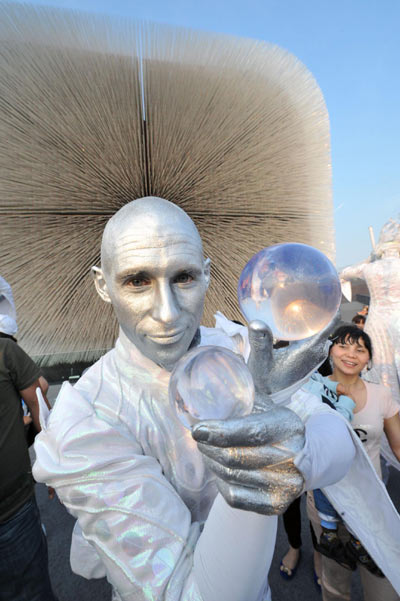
<point x="183" y="278"/>
<point x="138" y="282"/>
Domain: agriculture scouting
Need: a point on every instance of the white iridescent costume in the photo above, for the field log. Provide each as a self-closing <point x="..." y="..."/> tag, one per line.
<point x="123" y="464"/>
<point x="383" y="323"/>
<point x="382" y="277"/>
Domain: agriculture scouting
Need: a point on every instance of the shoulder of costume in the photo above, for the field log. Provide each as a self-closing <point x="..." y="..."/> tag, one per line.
<point x="77" y="403"/>
<point x="74" y="418"/>
<point x="97" y="377"/>
<point x="228" y="334"/>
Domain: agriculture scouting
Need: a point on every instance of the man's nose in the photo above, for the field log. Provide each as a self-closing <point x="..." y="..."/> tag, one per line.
<point x="166" y="307"/>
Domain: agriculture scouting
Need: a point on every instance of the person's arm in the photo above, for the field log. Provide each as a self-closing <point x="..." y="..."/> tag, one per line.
<point x="340" y="400"/>
<point x="391" y="428"/>
<point x="353" y="271"/>
<point x="261" y="459"/>
<point x="233" y="554"/>
<point x="26" y="378"/>
<point x="44" y="386"/>
<point x="328" y="451"/>
<point x="30" y="398"/>
<point x="138" y="524"/>
<point x="344" y="403"/>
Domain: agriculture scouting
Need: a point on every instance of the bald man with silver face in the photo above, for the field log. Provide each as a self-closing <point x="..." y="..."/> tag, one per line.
<point x="154" y="274"/>
<point x="167" y="513"/>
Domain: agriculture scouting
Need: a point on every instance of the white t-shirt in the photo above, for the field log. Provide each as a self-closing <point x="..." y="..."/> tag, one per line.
<point x="368" y="422"/>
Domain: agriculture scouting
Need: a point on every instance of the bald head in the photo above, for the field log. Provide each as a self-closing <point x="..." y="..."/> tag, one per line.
<point x="147" y="220"/>
<point x="154" y="274"/>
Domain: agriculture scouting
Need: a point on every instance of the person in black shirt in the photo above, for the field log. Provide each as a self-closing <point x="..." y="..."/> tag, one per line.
<point x="23" y="548"/>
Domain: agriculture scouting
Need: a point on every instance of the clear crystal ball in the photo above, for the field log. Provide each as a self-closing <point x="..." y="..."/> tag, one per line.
<point x="210" y="382"/>
<point x="293" y="288"/>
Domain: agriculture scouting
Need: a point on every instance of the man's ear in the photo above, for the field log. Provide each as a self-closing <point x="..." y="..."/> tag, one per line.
<point x="207" y="266"/>
<point x="100" y="284"/>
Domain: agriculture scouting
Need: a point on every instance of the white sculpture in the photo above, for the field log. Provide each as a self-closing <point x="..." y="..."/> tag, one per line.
<point x="381" y="272"/>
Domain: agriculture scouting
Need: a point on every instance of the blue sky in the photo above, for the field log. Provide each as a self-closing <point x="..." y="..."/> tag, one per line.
<point x="353" y="49"/>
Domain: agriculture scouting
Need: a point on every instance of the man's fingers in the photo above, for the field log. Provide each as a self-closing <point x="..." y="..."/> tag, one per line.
<point x="260" y="359"/>
<point x="313" y="350"/>
<point x="257" y="429"/>
<point x="270" y="502"/>
<point x="260" y="338"/>
<point x="246" y="457"/>
<point x="267" y="478"/>
<point x="301" y="358"/>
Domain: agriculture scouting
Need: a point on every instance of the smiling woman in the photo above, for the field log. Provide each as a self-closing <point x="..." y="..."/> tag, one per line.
<point x="375" y="412"/>
<point x="349" y="354"/>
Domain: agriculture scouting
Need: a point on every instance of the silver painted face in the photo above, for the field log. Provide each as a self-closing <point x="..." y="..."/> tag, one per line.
<point x="156" y="281"/>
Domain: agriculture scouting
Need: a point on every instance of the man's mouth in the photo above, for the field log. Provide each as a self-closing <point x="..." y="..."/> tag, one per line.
<point x="166" y="338"/>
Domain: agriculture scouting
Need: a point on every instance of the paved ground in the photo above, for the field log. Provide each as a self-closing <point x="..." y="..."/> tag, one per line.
<point x="69" y="587"/>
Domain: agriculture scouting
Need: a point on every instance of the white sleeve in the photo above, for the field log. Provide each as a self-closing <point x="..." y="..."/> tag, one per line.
<point x="232" y="557"/>
<point x="137" y="523"/>
<point x="353" y="271"/>
<point x="328" y="451"/>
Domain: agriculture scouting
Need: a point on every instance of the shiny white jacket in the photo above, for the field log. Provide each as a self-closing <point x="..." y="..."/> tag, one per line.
<point x="123" y="464"/>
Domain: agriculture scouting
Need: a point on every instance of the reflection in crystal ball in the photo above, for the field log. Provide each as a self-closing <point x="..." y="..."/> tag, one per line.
<point x="293" y="288"/>
<point x="210" y="382"/>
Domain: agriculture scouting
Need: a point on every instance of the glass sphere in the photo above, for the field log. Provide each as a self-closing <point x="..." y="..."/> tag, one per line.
<point x="293" y="288"/>
<point x="210" y="382"/>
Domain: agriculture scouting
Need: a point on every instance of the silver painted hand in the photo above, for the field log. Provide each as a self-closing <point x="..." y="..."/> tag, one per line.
<point x="275" y="370"/>
<point x="253" y="456"/>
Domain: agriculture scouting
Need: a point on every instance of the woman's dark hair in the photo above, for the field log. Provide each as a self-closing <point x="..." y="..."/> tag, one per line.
<point x="353" y="334"/>
<point x="359" y="319"/>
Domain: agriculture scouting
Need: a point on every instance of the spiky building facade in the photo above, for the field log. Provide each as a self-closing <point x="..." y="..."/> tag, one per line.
<point x="95" y="112"/>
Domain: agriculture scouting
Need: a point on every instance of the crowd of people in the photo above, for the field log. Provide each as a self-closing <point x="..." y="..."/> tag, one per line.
<point x="160" y="508"/>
